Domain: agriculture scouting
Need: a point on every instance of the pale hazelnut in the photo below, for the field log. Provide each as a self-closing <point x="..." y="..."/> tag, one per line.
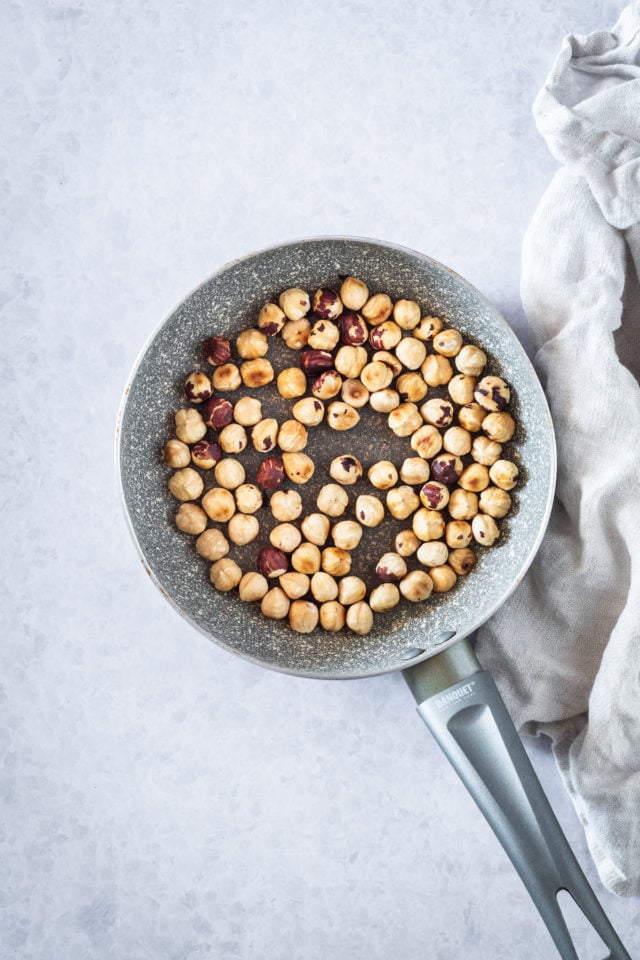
<point x="324" y="335"/>
<point x="243" y="528"/>
<point x="229" y="473"/>
<point x="406" y="543"/>
<point x="264" y="435"/>
<point x="427" y="328"/>
<point x="492" y="393"/>
<point x="428" y="524"/>
<point x="315" y="527"/>
<point x="402" y="501"/>
<point x="295" y="584"/>
<point x="291" y="383"/>
<point x="447" y="342"/>
<point x="253" y="586"/>
<point x="353" y="293"/>
<point x="461" y="388"/>
<point x="225" y="574"/>
<point x="411" y="387"/>
<point x="332" y="616"/>
<point x="219" y="504"/>
<point x="191" y="518"/>
<point x="389" y="359"/>
<point x="351" y="590"/>
<point x="433" y="553"/>
<point x="404" y="420"/>
<point x="346" y="469"/>
<point x="474" y="477"/>
<point x="306" y="558"/>
<point x="350" y="361"/>
<point x="285" y="537"/>
<point x="437" y="412"/>
<point x="353" y="329"/>
<point x="427" y="441"/>
<point x="270" y="473"/>
<point x="471" y="416"/>
<point x="298" y="467"/>
<point x="275" y="604"/>
<point x="295" y="333"/>
<point x="333" y="500"/>
<point x="385" y="336"/>
<point x="256" y="373"/>
<point x="462" y="561"/>
<point x="303" y="616"/>
<point x="272" y="563"/>
<point x="436" y="370"/>
<point x="286" y="505"/>
<point x="369" y="510"/>
<point x="443" y="577"/>
<point x="360" y="618"/>
<point x="384" y="401"/>
<point x="176" y="453"/>
<point x="346" y="534"/>
<point x="295" y="303"/>
<point x="485" y="529"/>
<point x="326" y="304"/>
<point x="354" y="393"/>
<point x="323" y="586"/>
<point x="336" y="561"/>
<point x="217" y="350"/>
<point x="309" y="411"/>
<point x="342" y="416"/>
<point x="247" y="411"/>
<point x="226" y="378"/>
<point x="382" y="474"/>
<point x="458" y="533"/>
<point x="457" y="440"/>
<point x="233" y="439"/>
<point x="248" y="498"/>
<point x="499" y="426"/>
<point x="406" y="314"/>
<point x="271" y="319"/>
<point x="327" y="385"/>
<point x="434" y="495"/>
<point x="218" y="413"/>
<point x="377" y="309"/>
<point x="292" y="436"/>
<point x="197" y="387"/>
<point x="487" y="452"/>
<point x="503" y="473"/>
<point x="391" y="568"/>
<point x="414" y="470"/>
<point x="463" y="504"/>
<point x="411" y="352"/>
<point x="190" y="427"/>
<point x="416" y="586"/>
<point x="471" y="360"/>
<point x="495" y="502"/>
<point x="376" y="376"/>
<point x="186" y="484"/>
<point x="384" y="597"/>
<point x="252" y="344"/>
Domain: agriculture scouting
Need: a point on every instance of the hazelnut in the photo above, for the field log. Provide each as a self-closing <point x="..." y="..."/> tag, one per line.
<point x="446" y="468"/>
<point x="433" y="553"/>
<point x="462" y="561"/>
<point x="461" y="388"/>
<point x="437" y="412"/>
<point x="428" y="327"/>
<point x="272" y="562"/>
<point x="411" y="387"/>
<point x="382" y="474"/>
<point x="495" y="502"/>
<point x="427" y="441"/>
<point x="377" y="309"/>
<point x="324" y="335"/>
<point x="447" y="342"/>
<point x="428" y="524"/>
<point x="391" y="568"/>
<point x="275" y="604"/>
<point x="326" y="304"/>
<point x="332" y="616"/>
<point x="197" y="387"/>
<point x="323" y="586"/>
<point x="295" y="333"/>
<point x="176" y="454"/>
<point x="498" y="426"/>
<point x="219" y="504"/>
<point x="292" y="436"/>
<point x="227" y="377"/>
<point x="384" y="401"/>
<point x="486" y="451"/>
<point x="243" y="528"/>
<point x="406" y="314"/>
<point x="191" y="518"/>
<point x="463" y="504"/>
<point x="471" y="360"/>
<point x="295" y="303"/>
<point x="186" y="484"/>
<point x="353" y="329"/>
<point x="286" y="505"/>
<point x="485" y="529"/>
<point x="218" y="413"/>
<point x="376" y="376"/>
<point x="315" y="361"/>
<point x="225" y="574"/>
<point x="474" y="477"/>
<point x="229" y="473"/>
<point x="354" y="393"/>
<point x="416" y="586"/>
<point x="248" y="498"/>
<point x="411" y="352"/>
<point x="503" y="473"/>
<point x="253" y="586"/>
<point x="291" y="383"/>
<point x="457" y="440"/>
<point x="271" y="319"/>
<point x="285" y="537"/>
<point x="233" y="439"/>
<point x="342" y="416"/>
<point x="389" y="359"/>
<point x="351" y="590"/>
<point x="492" y="393"/>
<point x="458" y="533"/>
<point x="434" y="495"/>
<point x="436" y="370"/>
<point x="406" y="543"/>
<point x="414" y="470"/>
<point x="443" y="578"/>
<point x="264" y="435"/>
<point x="350" y="361"/>
<point x="294" y="584"/>
<point x="470" y="416"/>
<point x="256" y="373"/>
<point x="247" y="411"/>
<point x="369" y="510"/>
<point x="315" y="527"/>
<point x="402" y="501"/>
<point x="336" y="561"/>
<point x="309" y="411"/>
<point x="190" y="427"/>
<point x="252" y="344"/>
<point x="386" y="336"/>
<point x="360" y="618"/>
<point x="347" y="534"/>
<point x="353" y="293"/>
<point x="217" y="350"/>
<point x="303" y="616"/>
<point x="404" y="420"/>
<point x="384" y="597"/>
<point x="306" y="558"/>
<point x="270" y="473"/>
<point x="298" y="467"/>
<point x="333" y="500"/>
<point x="326" y="385"/>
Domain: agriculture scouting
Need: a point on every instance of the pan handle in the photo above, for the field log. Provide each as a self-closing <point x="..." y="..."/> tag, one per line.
<point x="461" y="705"/>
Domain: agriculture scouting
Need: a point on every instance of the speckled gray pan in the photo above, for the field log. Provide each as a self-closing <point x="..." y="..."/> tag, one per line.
<point x="228" y="302"/>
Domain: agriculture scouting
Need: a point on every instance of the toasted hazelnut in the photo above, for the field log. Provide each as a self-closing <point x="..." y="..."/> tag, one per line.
<point x="411" y="352"/>
<point x="272" y="562"/>
<point x="406" y="314"/>
<point x="437" y="412"/>
<point x="332" y="500"/>
<point x="295" y="584"/>
<point x="416" y="586"/>
<point x="414" y="470"/>
<point x="411" y="387"/>
<point x="275" y="604"/>
<point x="306" y="558"/>
<point x="406" y="543"/>
<point x="474" y="477"/>
<point x="226" y="377"/>
<point x="295" y="303"/>
<point x="248" y="498"/>
<point x="323" y="586"/>
<point x="503" y="473"/>
<point x="271" y="319"/>
<point x="428" y="524"/>
<point x="270" y="473"/>
<point x="286" y="505"/>
<point x="377" y="309"/>
<point x="346" y="469"/>
<point x="313" y="362"/>
<point x="336" y="561"/>
<point x="351" y="590"/>
<point x="309" y="411"/>
<point x="427" y="441"/>
<point x="291" y="383"/>
<point x="485" y="529"/>
<point x="256" y="373"/>
<point x="233" y="439"/>
<point x="219" y="504"/>
<point x="457" y="440"/>
<point x="461" y="388"/>
<point x="376" y="376"/>
<point x="447" y="342"/>
<point x="298" y="467"/>
<point x="495" y="502"/>
<point x="324" y="335"/>
<point x="369" y="510"/>
<point x="353" y="293"/>
<point x="315" y="527"/>
<point x="389" y="359"/>
<point x="436" y="370"/>
<point x="427" y="328"/>
<point x="253" y="586"/>
<point x="433" y="553"/>
<point x="492" y="393"/>
<point x="229" y="473"/>
<point x="391" y="568"/>
<point x="176" y="453"/>
<point x="197" y="387"/>
<point x="458" y="533"/>
<point x="264" y="435"/>
<point x="225" y="574"/>
<point x="191" y="518"/>
<point x="470" y="416"/>
<point x="402" y="501"/>
<point x="385" y="336"/>
<point x="360" y="618"/>
<point x="295" y="333"/>
<point x="486" y="451"/>
<point x="384" y="401"/>
<point x="443" y="578"/>
<point x="404" y="420"/>
<point x="218" y="413"/>
<point x="462" y="561"/>
<point x="327" y="385"/>
<point x="303" y="616"/>
<point x="382" y="475"/>
<point x="285" y="537"/>
<point x="342" y="416"/>
<point x="350" y="361"/>
<point x="252" y="344"/>
<point x="353" y="329"/>
<point x="326" y="304"/>
<point x="292" y="436"/>
<point x="354" y="393"/>
<point x="243" y="528"/>
<point x="186" y="484"/>
<point x="463" y="504"/>
<point x="471" y="360"/>
<point x="332" y="616"/>
<point x="498" y="426"/>
<point x="217" y="350"/>
<point x="446" y="468"/>
<point x="434" y="495"/>
<point x="384" y="597"/>
<point x="247" y="411"/>
<point x="190" y="427"/>
<point x="346" y="534"/>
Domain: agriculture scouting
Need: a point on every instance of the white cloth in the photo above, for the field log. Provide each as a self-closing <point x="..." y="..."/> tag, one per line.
<point x="565" y="649"/>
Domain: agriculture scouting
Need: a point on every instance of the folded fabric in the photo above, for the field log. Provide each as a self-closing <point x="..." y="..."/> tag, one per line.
<point x="565" y="649"/>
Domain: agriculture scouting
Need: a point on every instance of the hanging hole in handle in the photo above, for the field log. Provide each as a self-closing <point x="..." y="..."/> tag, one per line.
<point x="587" y="943"/>
<point x="410" y="653"/>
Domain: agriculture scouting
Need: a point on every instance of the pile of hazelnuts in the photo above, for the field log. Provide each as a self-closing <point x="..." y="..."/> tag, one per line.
<point x="354" y="349"/>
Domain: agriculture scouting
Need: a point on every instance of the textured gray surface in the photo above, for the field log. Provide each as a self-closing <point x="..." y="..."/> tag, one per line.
<point x="161" y="798"/>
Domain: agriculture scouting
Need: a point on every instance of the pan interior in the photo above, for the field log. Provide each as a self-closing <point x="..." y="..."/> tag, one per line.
<point x="228" y="302"/>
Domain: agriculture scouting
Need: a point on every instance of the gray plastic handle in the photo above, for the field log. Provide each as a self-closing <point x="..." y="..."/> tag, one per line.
<point x="469" y="720"/>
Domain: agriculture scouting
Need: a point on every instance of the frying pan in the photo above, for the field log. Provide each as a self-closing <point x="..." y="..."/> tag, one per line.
<point x="456" y="698"/>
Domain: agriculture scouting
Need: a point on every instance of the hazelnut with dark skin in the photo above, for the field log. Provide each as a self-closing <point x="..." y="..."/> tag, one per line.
<point x="315" y="361"/>
<point x="205" y="454"/>
<point x="197" y="387"/>
<point x="218" y="413"/>
<point x="326" y="304"/>
<point x="217" y="351"/>
<point x="272" y="562"/>
<point x="446" y="468"/>
<point x="270" y="473"/>
<point x="353" y="329"/>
